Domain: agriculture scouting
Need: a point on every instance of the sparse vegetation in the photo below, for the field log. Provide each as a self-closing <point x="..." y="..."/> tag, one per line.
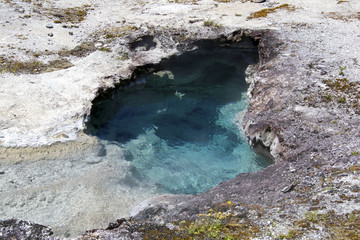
<point x="69" y="15"/>
<point x="312" y="216"/>
<point x="81" y="50"/>
<point x="340" y="16"/>
<point x="211" y="23"/>
<point x="113" y="33"/>
<point x="224" y="1"/>
<point x="194" y="2"/>
<point x="265" y="12"/>
<point x="62" y="15"/>
<point x="342" y="70"/>
<point x="105" y="49"/>
<point x="210" y="225"/>
<point x="32" y="67"/>
<point x="218" y="223"/>
<point x="110" y="35"/>
<point x="341" y="100"/>
<point x="292" y="233"/>
<point x="124" y="56"/>
<point x="328" y="97"/>
<point x="344" y="91"/>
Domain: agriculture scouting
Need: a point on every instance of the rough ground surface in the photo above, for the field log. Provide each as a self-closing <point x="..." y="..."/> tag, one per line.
<point x="304" y="104"/>
<point x="24" y="230"/>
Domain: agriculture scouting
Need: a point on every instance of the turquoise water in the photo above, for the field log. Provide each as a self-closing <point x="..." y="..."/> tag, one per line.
<point x="180" y="126"/>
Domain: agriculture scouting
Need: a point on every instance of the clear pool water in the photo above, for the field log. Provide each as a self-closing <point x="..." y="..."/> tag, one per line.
<point x="180" y="126"/>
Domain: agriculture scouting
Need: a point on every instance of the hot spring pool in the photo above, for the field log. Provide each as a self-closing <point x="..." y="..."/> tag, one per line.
<point x="180" y="126"/>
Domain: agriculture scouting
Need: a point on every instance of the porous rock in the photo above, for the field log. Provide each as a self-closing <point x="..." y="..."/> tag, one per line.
<point x="19" y="229"/>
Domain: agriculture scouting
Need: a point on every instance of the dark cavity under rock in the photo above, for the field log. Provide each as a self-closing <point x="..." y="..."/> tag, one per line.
<point x="143" y="43"/>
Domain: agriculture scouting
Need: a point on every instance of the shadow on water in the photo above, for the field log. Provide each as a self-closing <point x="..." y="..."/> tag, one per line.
<point x="179" y="124"/>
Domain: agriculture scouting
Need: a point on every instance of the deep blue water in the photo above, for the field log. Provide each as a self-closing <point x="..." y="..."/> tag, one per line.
<point x="178" y="126"/>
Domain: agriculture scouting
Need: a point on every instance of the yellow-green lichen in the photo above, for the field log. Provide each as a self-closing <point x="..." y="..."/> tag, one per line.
<point x="344" y="91"/>
<point x="341" y="16"/>
<point x="112" y="33"/>
<point x="211" y="23"/>
<point x="194" y="2"/>
<point x="218" y="223"/>
<point x="224" y="1"/>
<point x="32" y="67"/>
<point x="336" y="226"/>
<point x="81" y="50"/>
<point x="68" y="15"/>
<point x="265" y="12"/>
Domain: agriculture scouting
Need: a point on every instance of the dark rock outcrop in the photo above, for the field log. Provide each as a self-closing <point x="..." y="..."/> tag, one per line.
<point x="24" y="230"/>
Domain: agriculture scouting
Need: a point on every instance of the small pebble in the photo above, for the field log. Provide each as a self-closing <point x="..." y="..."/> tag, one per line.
<point x="71" y="33"/>
<point x="50" y="34"/>
<point x="49" y="25"/>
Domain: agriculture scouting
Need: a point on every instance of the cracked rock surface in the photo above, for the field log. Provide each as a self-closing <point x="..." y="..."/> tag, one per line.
<point x="304" y="103"/>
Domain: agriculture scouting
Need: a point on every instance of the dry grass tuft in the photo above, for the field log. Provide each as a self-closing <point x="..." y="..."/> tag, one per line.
<point x="265" y="12"/>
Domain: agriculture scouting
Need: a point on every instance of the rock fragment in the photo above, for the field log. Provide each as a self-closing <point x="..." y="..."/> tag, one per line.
<point x="288" y="188"/>
<point x="19" y="229"/>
